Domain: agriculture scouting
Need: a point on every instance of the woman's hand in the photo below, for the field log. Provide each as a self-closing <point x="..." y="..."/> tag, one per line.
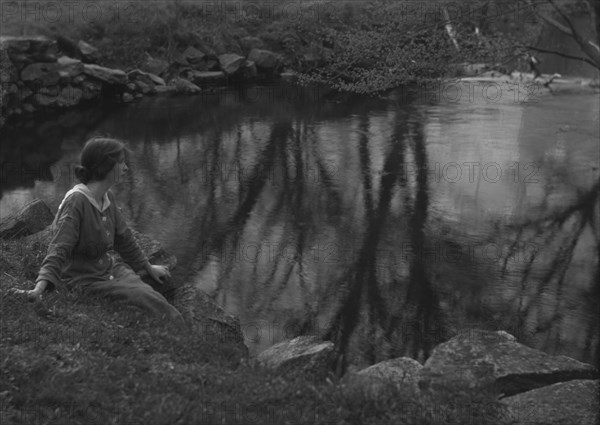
<point x="31" y="295"/>
<point x="159" y="273"/>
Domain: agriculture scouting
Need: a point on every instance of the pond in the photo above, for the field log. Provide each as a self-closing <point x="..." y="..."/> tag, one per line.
<point x="386" y="223"/>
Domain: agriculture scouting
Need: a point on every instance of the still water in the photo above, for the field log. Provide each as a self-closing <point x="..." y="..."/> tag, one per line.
<point x="386" y="224"/>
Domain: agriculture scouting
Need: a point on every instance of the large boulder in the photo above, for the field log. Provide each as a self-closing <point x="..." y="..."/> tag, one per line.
<point x="231" y="63"/>
<point x="32" y="218"/>
<point x="107" y="75"/>
<point x="395" y="375"/>
<point x="42" y="72"/>
<point x="301" y="355"/>
<point x="495" y="360"/>
<point x="193" y="55"/>
<point x="249" y="42"/>
<point x="155" y="65"/>
<point x="199" y="310"/>
<point x="563" y="403"/>
<point x="144" y="81"/>
<point x="69" y="67"/>
<point x="265" y="60"/>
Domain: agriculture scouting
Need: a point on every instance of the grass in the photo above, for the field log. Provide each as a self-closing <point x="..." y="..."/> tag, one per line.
<point x="125" y="32"/>
<point x="71" y="359"/>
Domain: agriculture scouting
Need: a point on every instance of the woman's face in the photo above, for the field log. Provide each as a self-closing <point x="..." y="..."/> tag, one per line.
<point x="119" y="170"/>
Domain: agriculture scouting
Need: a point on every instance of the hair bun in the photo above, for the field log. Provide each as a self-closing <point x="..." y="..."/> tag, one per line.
<point x="82" y="173"/>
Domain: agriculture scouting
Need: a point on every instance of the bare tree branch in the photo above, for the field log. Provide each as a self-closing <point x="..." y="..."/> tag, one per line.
<point x="590" y="48"/>
<point x="564" y="55"/>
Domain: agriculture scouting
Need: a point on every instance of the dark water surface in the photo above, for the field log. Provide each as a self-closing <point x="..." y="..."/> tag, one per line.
<point x="386" y="224"/>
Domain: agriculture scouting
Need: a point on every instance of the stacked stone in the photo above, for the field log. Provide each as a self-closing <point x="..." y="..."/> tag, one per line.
<point x="36" y="75"/>
<point x="39" y="73"/>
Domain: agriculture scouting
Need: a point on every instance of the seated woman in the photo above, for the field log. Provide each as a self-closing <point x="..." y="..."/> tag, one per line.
<point x="87" y="225"/>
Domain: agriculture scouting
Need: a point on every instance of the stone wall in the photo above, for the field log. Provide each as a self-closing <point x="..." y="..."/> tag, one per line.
<point x="38" y="73"/>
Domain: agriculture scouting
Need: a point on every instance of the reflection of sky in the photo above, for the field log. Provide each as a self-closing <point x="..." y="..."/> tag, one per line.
<point x="548" y="146"/>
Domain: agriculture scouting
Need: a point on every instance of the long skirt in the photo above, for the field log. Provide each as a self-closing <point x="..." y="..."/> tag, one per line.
<point x="124" y="285"/>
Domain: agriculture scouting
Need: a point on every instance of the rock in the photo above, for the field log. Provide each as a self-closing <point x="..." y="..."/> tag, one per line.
<point x="127" y="97"/>
<point x="142" y="82"/>
<point x="193" y="55"/>
<point x="147" y="77"/>
<point x="91" y="89"/>
<point x="184" y="86"/>
<point x="265" y="60"/>
<point x="155" y="66"/>
<point x="486" y="359"/>
<point x="249" y="71"/>
<point x="46" y="96"/>
<point x="288" y="75"/>
<point x="180" y="59"/>
<point x="381" y="379"/>
<point x="141" y="86"/>
<point x="230" y="62"/>
<point x="20" y="60"/>
<point x="15" y="44"/>
<point x="69" y="67"/>
<point x="402" y="372"/>
<point x="32" y="218"/>
<point x="202" y="312"/>
<point x="26" y="44"/>
<point x="166" y="90"/>
<point x="45" y="73"/>
<point x="564" y="403"/>
<point x="88" y="52"/>
<point x="107" y="75"/>
<point x="207" y="78"/>
<point x="69" y="96"/>
<point x="248" y="43"/>
<point x="301" y="355"/>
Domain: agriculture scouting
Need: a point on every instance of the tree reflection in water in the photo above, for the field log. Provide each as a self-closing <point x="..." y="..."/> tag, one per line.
<point x="386" y="296"/>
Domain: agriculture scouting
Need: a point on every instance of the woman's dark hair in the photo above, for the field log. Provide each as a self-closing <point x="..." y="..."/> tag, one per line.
<point x="98" y="157"/>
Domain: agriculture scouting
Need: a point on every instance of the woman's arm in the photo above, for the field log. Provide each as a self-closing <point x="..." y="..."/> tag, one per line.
<point x="128" y="248"/>
<point x="65" y="237"/>
<point x="125" y="243"/>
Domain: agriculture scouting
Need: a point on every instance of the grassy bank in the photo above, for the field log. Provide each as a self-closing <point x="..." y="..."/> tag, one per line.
<point x="125" y="32"/>
<point x="351" y="45"/>
<point x="77" y="360"/>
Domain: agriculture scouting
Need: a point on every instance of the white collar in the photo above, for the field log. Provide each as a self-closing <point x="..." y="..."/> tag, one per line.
<point x="81" y="188"/>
